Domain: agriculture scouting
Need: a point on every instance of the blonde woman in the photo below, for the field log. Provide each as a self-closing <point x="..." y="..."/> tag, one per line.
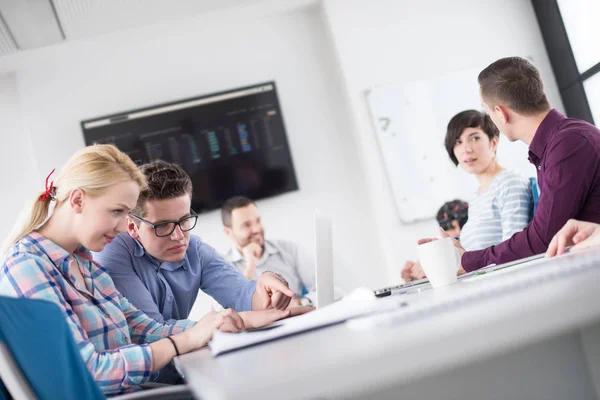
<point x="49" y="258"/>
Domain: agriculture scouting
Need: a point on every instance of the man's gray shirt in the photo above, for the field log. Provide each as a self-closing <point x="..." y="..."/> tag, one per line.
<point x="285" y="258"/>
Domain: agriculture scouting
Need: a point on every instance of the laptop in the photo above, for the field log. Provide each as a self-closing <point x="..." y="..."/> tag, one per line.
<point x="424" y="283"/>
<point x="323" y="260"/>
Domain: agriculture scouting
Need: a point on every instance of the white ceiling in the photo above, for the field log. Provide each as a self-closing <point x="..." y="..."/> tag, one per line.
<point x="26" y="24"/>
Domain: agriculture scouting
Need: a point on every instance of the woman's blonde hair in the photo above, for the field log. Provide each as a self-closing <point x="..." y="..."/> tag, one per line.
<point x="92" y="169"/>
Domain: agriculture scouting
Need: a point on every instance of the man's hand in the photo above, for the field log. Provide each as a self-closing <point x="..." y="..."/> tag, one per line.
<point x="251" y="253"/>
<point x="457" y="245"/>
<point x="300" y="310"/>
<point x="461" y="250"/>
<point x="578" y="233"/>
<point x="256" y="319"/>
<point x="271" y="292"/>
<point x="295" y="302"/>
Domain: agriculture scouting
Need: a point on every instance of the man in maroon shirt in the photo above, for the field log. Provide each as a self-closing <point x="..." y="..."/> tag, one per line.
<point x="581" y="235"/>
<point x="564" y="151"/>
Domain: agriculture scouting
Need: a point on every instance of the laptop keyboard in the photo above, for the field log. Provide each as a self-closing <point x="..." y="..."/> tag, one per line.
<point x="386" y="291"/>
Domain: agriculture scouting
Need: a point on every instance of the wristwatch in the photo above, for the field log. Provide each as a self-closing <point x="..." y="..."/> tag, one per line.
<point x="305" y="301"/>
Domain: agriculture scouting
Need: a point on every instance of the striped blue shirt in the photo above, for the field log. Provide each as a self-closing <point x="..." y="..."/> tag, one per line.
<point x="503" y="209"/>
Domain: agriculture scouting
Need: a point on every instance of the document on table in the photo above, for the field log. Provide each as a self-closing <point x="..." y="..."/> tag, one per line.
<point x="360" y="302"/>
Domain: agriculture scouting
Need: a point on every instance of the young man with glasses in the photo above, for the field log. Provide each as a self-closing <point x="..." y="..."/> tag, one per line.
<point x="160" y="267"/>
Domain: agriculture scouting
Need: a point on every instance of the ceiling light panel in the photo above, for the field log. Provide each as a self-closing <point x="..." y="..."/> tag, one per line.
<point x="31" y="23"/>
<point x="7" y="44"/>
<point x="85" y="18"/>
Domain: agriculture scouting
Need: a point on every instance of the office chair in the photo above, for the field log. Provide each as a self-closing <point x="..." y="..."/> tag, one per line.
<point x="3" y="392"/>
<point x="535" y="191"/>
<point x="40" y="360"/>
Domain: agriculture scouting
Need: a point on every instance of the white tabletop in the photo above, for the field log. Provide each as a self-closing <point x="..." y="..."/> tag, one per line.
<point x="438" y="330"/>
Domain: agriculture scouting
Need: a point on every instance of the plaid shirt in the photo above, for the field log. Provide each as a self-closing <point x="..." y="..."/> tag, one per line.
<point x="112" y="334"/>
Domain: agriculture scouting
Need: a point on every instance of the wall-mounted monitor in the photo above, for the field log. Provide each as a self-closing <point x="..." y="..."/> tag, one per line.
<point x="230" y="143"/>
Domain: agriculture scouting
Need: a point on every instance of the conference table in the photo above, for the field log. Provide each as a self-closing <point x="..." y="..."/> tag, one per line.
<point x="531" y="331"/>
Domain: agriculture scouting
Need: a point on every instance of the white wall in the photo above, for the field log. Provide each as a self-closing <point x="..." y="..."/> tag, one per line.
<point x="383" y="41"/>
<point x="323" y="60"/>
<point x="17" y="163"/>
<point x="61" y="85"/>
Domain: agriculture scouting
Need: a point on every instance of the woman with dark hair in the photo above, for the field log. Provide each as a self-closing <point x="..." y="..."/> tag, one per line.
<point x="503" y="202"/>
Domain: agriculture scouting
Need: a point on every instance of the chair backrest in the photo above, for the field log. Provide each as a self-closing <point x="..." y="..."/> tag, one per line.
<point x="535" y="192"/>
<point x="304" y="290"/>
<point x="47" y="364"/>
<point x="3" y="392"/>
<point x="11" y="374"/>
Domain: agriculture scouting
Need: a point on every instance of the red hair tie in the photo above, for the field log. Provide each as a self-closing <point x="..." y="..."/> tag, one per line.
<point x="48" y="192"/>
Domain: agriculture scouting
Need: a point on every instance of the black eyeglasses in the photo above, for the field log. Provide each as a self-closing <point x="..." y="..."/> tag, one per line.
<point x="168" y="227"/>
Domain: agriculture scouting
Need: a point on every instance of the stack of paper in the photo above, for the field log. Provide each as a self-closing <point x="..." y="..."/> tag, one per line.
<point x="360" y="302"/>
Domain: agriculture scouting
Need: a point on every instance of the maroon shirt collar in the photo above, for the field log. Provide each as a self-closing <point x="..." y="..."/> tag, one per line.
<point x="544" y="132"/>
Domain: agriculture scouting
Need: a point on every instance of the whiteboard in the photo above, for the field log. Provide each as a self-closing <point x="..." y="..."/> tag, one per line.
<point x="410" y="121"/>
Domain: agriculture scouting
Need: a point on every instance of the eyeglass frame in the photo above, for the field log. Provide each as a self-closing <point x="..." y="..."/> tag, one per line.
<point x="177" y="223"/>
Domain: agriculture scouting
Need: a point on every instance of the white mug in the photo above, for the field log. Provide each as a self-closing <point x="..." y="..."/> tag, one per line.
<point x="439" y="259"/>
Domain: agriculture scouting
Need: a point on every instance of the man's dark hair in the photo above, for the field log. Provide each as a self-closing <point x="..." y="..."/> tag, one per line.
<point x="453" y="210"/>
<point x="165" y="181"/>
<point x="516" y="83"/>
<point x="230" y="205"/>
<point x="468" y="119"/>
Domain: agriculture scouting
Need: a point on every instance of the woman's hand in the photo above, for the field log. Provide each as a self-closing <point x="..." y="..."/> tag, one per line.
<point x="198" y="336"/>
